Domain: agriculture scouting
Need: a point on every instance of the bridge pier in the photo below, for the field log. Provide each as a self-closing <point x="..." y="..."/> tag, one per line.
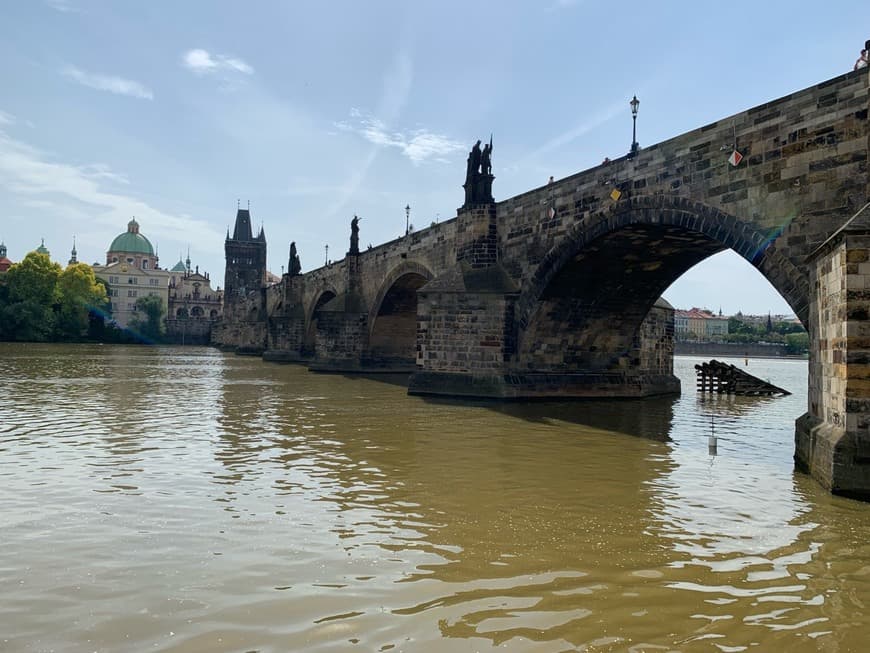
<point x="832" y="440"/>
<point x="286" y="325"/>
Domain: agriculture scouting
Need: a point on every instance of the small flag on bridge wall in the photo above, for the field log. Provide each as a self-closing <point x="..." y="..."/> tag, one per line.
<point x="615" y="194"/>
<point x="735" y="158"/>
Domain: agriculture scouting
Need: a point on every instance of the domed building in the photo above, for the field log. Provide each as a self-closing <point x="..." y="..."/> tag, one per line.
<point x="132" y="271"/>
<point x="5" y="263"/>
<point x="132" y="248"/>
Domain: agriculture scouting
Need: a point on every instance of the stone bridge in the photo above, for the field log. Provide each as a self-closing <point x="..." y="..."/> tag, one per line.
<point x="556" y="292"/>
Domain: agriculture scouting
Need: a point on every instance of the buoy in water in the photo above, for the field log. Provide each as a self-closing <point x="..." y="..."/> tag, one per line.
<point x="711" y="441"/>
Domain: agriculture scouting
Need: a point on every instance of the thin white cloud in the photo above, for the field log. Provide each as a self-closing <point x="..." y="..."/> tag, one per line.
<point x="419" y="145"/>
<point x="563" y="4"/>
<point x="603" y="116"/>
<point x="396" y="89"/>
<point x="102" y="171"/>
<point x="202" y="62"/>
<point x="28" y="172"/>
<point x="63" y="6"/>
<point x="110" y="83"/>
<point x="6" y="118"/>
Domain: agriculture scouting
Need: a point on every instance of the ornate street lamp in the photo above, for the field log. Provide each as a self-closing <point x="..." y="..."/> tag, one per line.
<point x="326" y="258"/>
<point x="635" y="103"/>
<point x="407" y="218"/>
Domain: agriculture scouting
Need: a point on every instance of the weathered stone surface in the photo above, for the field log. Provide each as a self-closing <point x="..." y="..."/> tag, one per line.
<point x="555" y="290"/>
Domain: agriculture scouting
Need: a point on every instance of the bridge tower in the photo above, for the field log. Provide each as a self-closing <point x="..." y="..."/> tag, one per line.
<point x="245" y="259"/>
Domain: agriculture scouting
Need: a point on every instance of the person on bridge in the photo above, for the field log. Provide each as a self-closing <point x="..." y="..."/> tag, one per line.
<point x="862" y="60"/>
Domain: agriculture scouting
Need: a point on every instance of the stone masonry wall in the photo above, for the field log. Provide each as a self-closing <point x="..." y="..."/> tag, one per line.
<point x="804" y="172"/>
<point x="840" y="354"/>
<point x="340" y="337"/>
<point x="463" y="332"/>
<point x="833" y="439"/>
<point x="655" y="345"/>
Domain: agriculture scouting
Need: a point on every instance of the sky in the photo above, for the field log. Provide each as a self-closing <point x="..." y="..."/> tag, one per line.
<point x="176" y="112"/>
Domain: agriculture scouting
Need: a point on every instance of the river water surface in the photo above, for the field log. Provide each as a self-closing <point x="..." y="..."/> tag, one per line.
<point x="169" y="499"/>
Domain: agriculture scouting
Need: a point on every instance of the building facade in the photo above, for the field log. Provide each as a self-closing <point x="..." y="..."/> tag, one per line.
<point x="699" y="324"/>
<point x="132" y="271"/>
<point x="193" y="305"/>
<point x="5" y="263"/>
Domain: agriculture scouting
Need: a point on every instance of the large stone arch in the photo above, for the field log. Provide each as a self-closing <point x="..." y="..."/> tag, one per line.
<point x="567" y="319"/>
<point x="392" y="318"/>
<point x="323" y="296"/>
<point x="755" y="247"/>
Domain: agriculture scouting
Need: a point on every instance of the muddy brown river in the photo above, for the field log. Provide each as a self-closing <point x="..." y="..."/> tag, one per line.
<point x="185" y="500"/>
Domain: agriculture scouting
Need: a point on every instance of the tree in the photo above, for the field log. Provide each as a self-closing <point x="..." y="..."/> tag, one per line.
<point x="80" y="297"/>
<point x="148" y="320"/>
<point x="5" y="331"/>
<point x="32" y="287"/>
<point x="797" y="343"/>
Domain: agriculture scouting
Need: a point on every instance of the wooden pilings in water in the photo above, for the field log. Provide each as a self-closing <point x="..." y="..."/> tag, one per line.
<point x="722" y="378"/>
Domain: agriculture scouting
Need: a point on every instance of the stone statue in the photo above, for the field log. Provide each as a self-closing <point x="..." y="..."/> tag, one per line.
<point x="478" y="175"/>
<point x="295" y="266"/>
<point x="473" y="163"/>
<point x="486" y="159"/>
<point x="354" y="235"/>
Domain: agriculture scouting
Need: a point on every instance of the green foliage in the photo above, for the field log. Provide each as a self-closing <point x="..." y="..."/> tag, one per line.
<point x="797" y="343"/>
<point x="40" y="302"/>
<point x="148" y="320"/>
<point x="28" y="321"/>
<point x="34" y="279"/>
<point x="80" y="296"/>
<point x="31" y="296"/>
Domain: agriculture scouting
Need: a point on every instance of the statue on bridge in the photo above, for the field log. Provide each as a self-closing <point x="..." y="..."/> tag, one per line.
<point x="354" y="235"/>
<point x="486" y="159"/>
<point x="478" y="175"/>
<point x="294" y="267"/>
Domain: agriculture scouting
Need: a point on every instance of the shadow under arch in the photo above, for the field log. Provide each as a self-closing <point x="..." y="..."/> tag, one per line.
<point x="321" y="298"/>
<point x="392" y="318"/>
<point x="609" y="270"/>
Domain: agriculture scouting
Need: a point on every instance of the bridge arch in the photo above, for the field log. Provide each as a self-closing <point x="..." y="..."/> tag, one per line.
<point x="617" y="263"/>
<point x="393" y="313"/>
<point x="322" y="297"/>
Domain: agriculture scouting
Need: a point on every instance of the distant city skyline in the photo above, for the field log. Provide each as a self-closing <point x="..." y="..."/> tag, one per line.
<point x="174" y="113"/>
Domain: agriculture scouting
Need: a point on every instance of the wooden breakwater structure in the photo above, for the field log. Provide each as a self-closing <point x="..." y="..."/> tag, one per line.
<point x="722" y="378"/>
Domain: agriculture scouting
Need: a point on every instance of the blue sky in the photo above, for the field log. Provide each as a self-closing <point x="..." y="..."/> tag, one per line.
<point x="173" y="111"/>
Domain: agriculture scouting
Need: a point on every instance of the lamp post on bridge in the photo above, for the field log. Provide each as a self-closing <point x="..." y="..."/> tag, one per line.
<point x="407" y="218"/>
<point x="634" y="103"/>
<point x="326" y="258"/>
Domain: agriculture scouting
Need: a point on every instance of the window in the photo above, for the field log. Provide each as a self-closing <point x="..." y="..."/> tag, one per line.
<point x="131" y="293"/>
<point x="144" y="264"/>
<point x="153" y="282"/>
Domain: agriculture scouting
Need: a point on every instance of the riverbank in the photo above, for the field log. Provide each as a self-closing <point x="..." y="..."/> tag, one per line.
<point x="734" y="349"/>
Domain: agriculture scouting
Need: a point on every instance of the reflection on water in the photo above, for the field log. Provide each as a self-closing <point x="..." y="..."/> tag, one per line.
<point x="188" y="500"/>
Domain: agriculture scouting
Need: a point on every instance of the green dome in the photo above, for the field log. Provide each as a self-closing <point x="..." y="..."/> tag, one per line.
<point x="42" y="249"/>
<point x="132" y="241"/>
